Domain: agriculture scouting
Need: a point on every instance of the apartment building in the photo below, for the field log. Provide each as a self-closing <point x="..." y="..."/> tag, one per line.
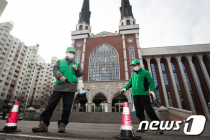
<point x="17" y="63"/>
<point x="3" y="4"/>
<point x="44" y="84"/>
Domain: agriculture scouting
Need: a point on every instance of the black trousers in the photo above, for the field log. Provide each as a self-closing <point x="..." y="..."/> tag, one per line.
<point x="141" y="103"/>
<point x="55" y="97"/>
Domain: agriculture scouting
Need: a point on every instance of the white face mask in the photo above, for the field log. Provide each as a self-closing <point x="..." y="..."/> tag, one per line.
<point x="70" y="55"/>
<point x="136" y="68"/>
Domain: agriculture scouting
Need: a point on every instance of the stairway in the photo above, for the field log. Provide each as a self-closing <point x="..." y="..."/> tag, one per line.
<point x="95" y="117"/>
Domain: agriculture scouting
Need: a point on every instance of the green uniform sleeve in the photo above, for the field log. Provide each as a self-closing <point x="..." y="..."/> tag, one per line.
<point x="129" y="84"/>
<point x="150" y="81"/>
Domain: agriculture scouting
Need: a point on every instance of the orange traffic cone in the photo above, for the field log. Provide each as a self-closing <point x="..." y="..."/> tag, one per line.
<point x="126" y="126"/>
<point x="11" y="123"/>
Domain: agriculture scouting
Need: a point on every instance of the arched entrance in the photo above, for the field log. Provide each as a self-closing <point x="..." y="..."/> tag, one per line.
<point x="80" y="104"/>
<point x="117" y="103"/>
<point x="99" y="103"/>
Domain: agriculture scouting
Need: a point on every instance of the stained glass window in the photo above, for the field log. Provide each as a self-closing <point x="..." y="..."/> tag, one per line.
<point x="104" y="64"/>
<point x="77" y="57"/>
<point x="132" y="56"/>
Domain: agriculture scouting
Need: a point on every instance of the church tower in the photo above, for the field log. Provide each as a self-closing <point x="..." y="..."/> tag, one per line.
<point x="83" y="31"/>
<point x="129" y="31"/>
<point x="84" y="17"/>
<point x="126" y="13"/>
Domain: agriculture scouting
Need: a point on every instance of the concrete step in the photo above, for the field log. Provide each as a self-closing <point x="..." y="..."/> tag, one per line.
<point x="96" y="117"/>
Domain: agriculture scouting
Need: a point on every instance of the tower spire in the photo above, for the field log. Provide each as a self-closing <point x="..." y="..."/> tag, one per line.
<point x="84" y="16"/>
<point x="126" y="9"/>
<point x="126" y="13"/>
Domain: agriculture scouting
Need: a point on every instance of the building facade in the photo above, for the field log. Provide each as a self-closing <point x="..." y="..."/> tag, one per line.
<point x="44" y="84"/>
<point x="3" y="4"/>
<point x="181" y="73"/>
<point x="18" y="68"/>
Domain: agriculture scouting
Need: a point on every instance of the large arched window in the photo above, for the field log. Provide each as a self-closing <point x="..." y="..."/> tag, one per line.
<point x="132" y="56"/>
<point x="190" y="88"/>
<point x="77" y="57"/>
<point x="104" y="64"/>
<point x="201" y="79"/>
<point x="178" y="85"/>
<point x="170" y="100"/>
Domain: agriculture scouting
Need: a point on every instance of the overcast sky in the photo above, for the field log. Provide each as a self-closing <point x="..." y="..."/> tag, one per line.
<point x="162" y="22"/>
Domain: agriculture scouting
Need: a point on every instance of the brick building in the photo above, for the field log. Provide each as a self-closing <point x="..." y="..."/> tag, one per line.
<point x="181" y="73"/>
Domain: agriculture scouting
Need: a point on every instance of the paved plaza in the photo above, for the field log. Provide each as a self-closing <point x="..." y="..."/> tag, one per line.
<point x="83" y="131"/>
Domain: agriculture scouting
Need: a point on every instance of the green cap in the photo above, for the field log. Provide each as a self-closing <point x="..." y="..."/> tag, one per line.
<point x="71" y="49"/>
<point x="135" y="61"/>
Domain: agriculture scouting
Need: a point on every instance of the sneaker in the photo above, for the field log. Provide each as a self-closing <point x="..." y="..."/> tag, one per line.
<point x="61" y="128"/>
<point x="142" y="131"/>
<point x="41" y="128"/>
<point x="159" y="131"/>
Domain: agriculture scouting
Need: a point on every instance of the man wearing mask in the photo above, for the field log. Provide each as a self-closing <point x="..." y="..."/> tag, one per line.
<point x="141" y="80"/>
<point x="66" y="72"/>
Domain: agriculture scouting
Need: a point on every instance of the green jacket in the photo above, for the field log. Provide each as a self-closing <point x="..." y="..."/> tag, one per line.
<point x="140" y="82"/>
<point x="67" y="71"/>
<point x="65" y="87"/>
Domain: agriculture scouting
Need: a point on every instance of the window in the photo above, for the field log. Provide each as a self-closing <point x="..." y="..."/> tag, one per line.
<point x="3" y="39"/>
<point x="80" y="27"/>
<point x="77" y="57"/>
<point x="104" y="64"/>
<point x="1" y="44"/>
<point x="189" y="85"/>
<point x="128" y="22"/>
<point x="155" y="81"/>
<point x="132" y="56"/>
<point x="2" y="94"/>
<point x="178" y="85"/>
<point x="166" y="84"/>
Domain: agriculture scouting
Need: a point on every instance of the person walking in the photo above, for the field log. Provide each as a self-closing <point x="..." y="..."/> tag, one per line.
<point x="66" y="72"/>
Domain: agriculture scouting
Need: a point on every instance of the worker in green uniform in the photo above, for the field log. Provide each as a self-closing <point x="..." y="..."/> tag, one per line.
<point x="66" y="72"/>
<point x="140" y="81"/>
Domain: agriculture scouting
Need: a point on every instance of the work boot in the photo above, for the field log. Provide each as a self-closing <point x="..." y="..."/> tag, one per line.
<point x="61" y="128"/>
<point x="159" y="131"/>
<point x="41" y="128"/>
<point x="142" y="131"/>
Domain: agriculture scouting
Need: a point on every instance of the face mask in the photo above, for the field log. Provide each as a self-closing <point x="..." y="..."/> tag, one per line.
<point x="70" y="55"/>
<point x="136" y="68"/>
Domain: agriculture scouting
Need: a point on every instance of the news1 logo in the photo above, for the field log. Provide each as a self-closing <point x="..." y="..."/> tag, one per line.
<point x="194" y="125"/>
